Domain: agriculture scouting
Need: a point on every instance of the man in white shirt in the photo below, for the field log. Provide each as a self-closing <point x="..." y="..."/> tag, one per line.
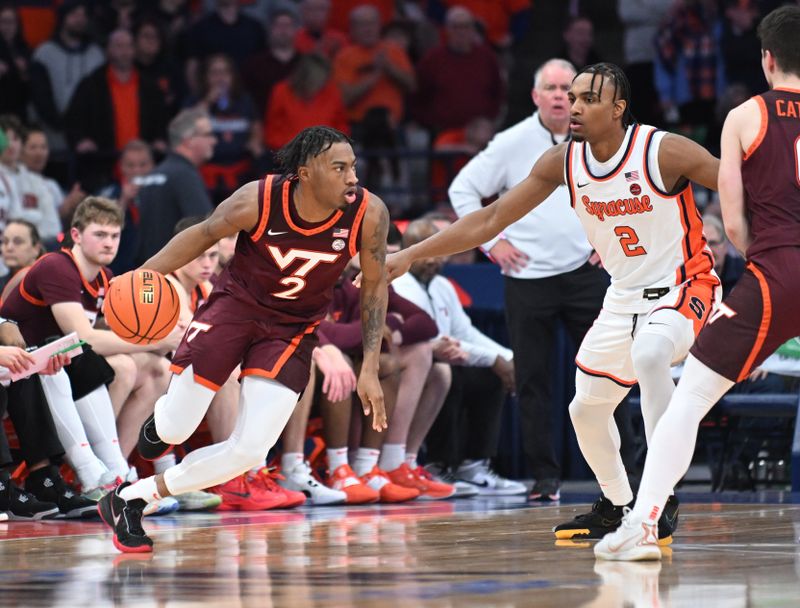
<point x="464" y="436"/>
<point x="545" y="258"/>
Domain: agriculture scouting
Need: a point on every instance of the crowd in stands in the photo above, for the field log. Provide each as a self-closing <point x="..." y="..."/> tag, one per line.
<point x="123" y="122"/>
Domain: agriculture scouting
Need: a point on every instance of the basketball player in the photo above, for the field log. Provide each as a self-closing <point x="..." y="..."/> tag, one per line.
<point x="628" y="183"/>
<point x="758" y="187"/>
<point x="297" y="231"/>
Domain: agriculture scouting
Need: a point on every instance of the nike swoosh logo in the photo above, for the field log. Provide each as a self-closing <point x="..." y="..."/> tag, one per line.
<point x="582" y="185"/>
<point x="240" y="494"/>
<point x="271" y="233"/>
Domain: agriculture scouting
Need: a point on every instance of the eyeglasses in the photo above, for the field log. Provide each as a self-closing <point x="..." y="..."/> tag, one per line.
<point x="716" y="243"/>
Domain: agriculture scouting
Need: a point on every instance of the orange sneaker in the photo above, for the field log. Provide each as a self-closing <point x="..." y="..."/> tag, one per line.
<point x="428" y="488"/>
<point x="239" y="495"/>
<point x="344" y="479"/>
<point x="377" y="479"/>
<point x="266" y="480"/>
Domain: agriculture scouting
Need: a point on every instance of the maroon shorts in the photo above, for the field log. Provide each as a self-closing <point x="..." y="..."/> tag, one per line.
<point x="224" y="333"/>
<point x="761" y="313"/>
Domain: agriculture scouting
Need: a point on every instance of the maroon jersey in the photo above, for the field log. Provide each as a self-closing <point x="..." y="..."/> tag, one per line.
<point x="286" y="265"/>
<point x="771" y="174"/>
<point x="53" y="279"/>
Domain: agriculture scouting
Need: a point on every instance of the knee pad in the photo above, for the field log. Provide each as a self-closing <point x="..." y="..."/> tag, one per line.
<point x="589" y="409"/>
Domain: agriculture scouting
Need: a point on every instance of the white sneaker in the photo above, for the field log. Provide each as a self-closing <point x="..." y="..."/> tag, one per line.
<point x="488" y="483"/>
<point x="443" y="475"/>
<point x="198" y="501"/>
<point x="161" y="507"/>
<point x="300" y="479"/>
<point x="634" y="540"/>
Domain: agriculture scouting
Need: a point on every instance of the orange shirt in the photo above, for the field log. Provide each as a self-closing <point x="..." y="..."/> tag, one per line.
<point x="340" y="12"/>
<point x="287" y="114"/>
<point x="125" y="101"/>
<point x="495" y="14"/>
<point x="354" y="62"/>
<point x="328" y="44"/>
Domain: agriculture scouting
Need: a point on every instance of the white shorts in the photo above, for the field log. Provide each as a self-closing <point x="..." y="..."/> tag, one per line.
<point x="678" y="316"/>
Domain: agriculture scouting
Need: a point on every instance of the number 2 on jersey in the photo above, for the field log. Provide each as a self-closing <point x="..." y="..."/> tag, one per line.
<point x="629" y="241"/>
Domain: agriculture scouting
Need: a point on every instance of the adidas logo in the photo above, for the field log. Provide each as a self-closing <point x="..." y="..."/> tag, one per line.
<point x="48" y="483"/>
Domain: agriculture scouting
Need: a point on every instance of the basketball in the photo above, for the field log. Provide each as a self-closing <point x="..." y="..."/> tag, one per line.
<point x="141" y="307"/>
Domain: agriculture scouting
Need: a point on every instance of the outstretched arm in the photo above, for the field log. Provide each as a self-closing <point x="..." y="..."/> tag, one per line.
<point x="238" y="212"/>
<point x="374" y="298"/>
<point x="479" y="227"/>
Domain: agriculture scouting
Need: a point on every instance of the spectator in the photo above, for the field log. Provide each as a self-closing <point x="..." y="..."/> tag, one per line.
<point x="465" y="435"/>
<point x="20" y="246"/>
<point x="175" y="188"/>
<point x="340" y="17"/>
<point x="308" y="97"/>
<point x="155" y="62"/>
<point x="315" y="35"/>
<point x="579" y="42"/>
<point x="457" y="146"/>
<point x="14" y="61"/>
<point x="373" y="74"/>
<point x="226" y="30"/>
<point x="35" y="154"/>
<point x="32" y="199"/>
<point x="741" y="48"/>
<point x="235" y="124"/>
<point x="503" y="21"/>
<point x="116" y="104"/>
<point x="728" y="264"/>
<point x="58" y="67"/>
<point x="460" y="79"/>
<point x="269" y="67"/>
<point x="135" y="162"/>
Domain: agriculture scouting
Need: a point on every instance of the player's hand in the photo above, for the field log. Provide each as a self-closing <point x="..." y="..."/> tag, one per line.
<point x="758" y="373"/>
<point x="11" y="336"/>
<point x="595" y="260"/>
<point x="339" y="380"/>
<point x="371" y="395"/>
<point x="55" y="364"/>
<point x="172" y="341"/>
<point x="508" y="257"/>
<point x="16" y="359"/>
<point x="505" y="371"/>
<point x="449" y="350"/>
<point x="397" y="264"/>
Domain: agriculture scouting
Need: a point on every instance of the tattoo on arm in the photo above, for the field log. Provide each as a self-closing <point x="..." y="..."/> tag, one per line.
<point x="373" y="315"/>
<point x="378" y="246"/>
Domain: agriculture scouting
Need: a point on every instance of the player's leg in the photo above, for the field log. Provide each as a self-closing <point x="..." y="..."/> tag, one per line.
<point x="97" y="414"/>
<point x="264" y="408"/>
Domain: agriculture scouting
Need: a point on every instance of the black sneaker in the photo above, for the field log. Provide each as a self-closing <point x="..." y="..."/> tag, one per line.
<point x="150" y="445"/>
<point x="668" y="522"/>
<point x="125" y="519"/>
<point x="18" y="504"/>
<point x="47" y="485"/>
<point x="546" y="490"/>
<point x="604" y="518"/>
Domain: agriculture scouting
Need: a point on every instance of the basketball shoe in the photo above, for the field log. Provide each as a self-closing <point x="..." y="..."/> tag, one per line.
<point x="267" y="480"/>
<point x="163" y="506"/>
<point x="150" y="445"/>
<point x="605" y="517"/>
<point x="48" y="486"/>
<point x="546" y="490"/>
<point x="300" y="479"/>
<point x="633" y="540"/>
<point x="422" y="480"/>
<point x="389" y="492"/>
<point x="18" y="504"/>
<point x="125" y="519"/>
<point x="480" y="475"/>
<point x="198" y="501"/>
<point x="239" y="495"/>
<point x="445" y="475"/>
<point x="344" y="479"/>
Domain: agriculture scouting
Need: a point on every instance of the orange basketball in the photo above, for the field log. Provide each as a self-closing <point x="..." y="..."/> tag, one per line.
<point x="141" y="306"/>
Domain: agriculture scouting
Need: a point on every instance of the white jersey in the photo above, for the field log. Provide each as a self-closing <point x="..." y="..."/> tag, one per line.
<point x="649" y="241"/>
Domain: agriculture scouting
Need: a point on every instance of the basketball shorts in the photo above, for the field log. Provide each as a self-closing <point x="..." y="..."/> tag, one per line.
<point x="87" y="372"/>
<point x="224" y="334"/>
<point x="761" y="313"/>
<point x="679" y="316"/>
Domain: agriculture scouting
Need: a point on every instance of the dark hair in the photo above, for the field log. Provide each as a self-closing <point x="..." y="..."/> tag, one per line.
<point x="780" y="35"/>
<point x="622" y="87"/>
<point x="187" y="222"/>
<point x="10" y="122"/>
<point x="36" y="239"/>
<point x="236" y="83"/>
<point x="308" y="144"/>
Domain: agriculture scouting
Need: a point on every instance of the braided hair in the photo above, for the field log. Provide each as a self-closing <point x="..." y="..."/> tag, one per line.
<point x="622" y="87"/>
<point x="307" y="144"/>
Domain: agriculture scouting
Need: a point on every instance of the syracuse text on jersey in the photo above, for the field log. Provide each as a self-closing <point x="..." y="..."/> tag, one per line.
<point x="620" y="206"/>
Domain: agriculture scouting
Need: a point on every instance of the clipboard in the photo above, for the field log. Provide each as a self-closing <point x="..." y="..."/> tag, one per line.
<point x="69" y="345"/>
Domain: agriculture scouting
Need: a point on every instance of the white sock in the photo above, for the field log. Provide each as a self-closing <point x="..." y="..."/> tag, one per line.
<point x="392" y="456"/>
<point x="145" y="489"/>
<point x="97" y="415"/>
<point x="618" y="490"/>
<point x="411" y="460"/>
<point x="258" y="467"/>
<point x="672" y="446"/>
<point x="90" y="472"/>
<point x="365" y="460"/>
<point x="336" y="457"/>
<point x="162" y="464"/>
<point x="290" y="460"/>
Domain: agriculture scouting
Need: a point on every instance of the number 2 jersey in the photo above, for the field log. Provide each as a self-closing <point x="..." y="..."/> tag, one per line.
<point x="286" y="267"/>
<point x="649" y="240"/>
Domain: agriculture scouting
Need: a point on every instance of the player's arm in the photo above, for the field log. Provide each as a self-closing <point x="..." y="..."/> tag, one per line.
<point x="731" y="188"/>
<point x="238" y="212"/>
<point x="680" y="157"/>
<point x="483" y="225"/>
<point x="374" y="299"/>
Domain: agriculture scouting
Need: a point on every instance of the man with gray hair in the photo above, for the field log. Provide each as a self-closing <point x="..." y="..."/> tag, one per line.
<point x="545" y="259"/>
<point x="175" y="190"/>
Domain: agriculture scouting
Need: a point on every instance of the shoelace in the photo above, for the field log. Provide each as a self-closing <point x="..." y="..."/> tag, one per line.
<point x="424" y="473"/>
<point x="269" y="478"/>
<point x="135" y="521"/>
<point x="627" y="520"/>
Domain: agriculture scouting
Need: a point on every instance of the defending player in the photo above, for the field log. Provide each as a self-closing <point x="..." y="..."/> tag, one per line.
<point x="629" y="185"/>
<point x="297" y="232"/>
<point x="760" y="200"/>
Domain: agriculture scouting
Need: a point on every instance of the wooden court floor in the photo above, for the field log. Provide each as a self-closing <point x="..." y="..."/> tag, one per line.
<point x="467" y="553"/>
